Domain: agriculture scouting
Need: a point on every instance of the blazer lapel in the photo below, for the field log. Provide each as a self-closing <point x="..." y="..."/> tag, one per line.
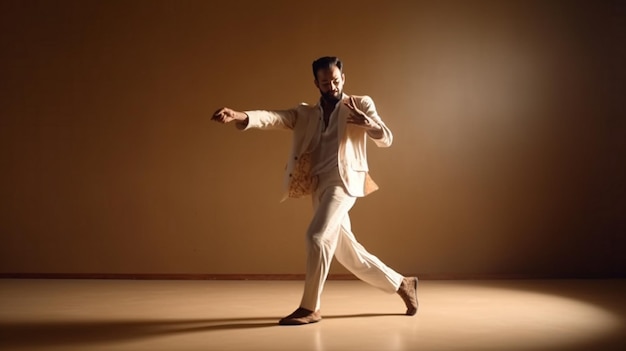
<point x="342" y="116"/>
<point x="313" y="131"/>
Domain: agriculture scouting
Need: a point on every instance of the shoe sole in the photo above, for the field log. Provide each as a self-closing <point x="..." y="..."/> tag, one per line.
<point x="416" y="300"/>
<point x="294" y="322"/>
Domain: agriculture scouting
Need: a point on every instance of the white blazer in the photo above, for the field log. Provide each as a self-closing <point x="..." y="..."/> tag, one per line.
<point x="304" y="120"/>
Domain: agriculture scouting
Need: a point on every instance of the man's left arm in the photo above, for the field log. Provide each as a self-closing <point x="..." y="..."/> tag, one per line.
<point x="364" y="115"/>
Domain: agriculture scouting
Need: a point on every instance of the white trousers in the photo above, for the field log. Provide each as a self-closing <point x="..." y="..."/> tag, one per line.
<point x="329" y="234"/>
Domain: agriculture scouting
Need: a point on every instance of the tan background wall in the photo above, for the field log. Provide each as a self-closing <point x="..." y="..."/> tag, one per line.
<point x="508" y="119"/>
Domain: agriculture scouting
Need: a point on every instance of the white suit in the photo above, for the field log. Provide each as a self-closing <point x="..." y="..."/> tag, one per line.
<point x="329" y="233"/>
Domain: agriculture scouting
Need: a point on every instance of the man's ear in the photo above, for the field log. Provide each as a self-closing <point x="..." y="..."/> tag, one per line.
<point x="343" y="77"/>
<point x="317" y="84"/>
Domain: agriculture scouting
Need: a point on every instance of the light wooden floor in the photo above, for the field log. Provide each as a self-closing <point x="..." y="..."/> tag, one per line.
<point x="242" y="315"/>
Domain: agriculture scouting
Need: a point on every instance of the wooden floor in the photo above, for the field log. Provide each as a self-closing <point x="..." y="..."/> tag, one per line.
<point x="242" y="315"/>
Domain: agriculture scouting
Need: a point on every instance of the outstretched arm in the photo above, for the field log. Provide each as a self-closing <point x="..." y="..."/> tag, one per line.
<point x="257" y="119"/>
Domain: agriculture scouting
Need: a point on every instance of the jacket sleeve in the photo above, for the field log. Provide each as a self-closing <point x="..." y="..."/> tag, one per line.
<point x="367" y="106"/>
<point x="259" y="119"/>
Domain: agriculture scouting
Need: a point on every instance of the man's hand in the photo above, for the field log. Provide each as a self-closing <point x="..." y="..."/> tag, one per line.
<point x="226" y="115"/>
<point x="359" y="117"/>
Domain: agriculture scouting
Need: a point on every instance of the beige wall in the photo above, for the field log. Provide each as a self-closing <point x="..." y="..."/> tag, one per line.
<point x="509" y="134"/>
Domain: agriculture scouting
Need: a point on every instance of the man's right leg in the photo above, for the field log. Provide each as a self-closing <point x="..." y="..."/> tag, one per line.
<point x="331" y="206"/>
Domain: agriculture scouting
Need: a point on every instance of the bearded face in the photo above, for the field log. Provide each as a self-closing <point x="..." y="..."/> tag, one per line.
<point x="330" y="83"/>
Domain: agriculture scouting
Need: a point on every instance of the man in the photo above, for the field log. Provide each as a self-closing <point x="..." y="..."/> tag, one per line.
<point x="328" y="161"/>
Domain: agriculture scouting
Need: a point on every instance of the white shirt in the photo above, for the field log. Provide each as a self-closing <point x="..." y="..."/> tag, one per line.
<point x="324" y="156"/>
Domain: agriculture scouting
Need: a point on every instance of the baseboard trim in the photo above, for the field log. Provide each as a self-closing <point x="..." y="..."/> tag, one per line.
<point x="186" y="276"/>
<point x="164" y="276"/>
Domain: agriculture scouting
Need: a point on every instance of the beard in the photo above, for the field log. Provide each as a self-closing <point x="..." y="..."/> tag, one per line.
<point x="331" y="97"/>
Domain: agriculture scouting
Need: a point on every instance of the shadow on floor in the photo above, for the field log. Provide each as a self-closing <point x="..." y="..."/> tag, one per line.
<point x="58" y="333"/>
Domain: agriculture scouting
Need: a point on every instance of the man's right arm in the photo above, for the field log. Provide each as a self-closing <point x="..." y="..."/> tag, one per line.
<point x="260" y="119"/>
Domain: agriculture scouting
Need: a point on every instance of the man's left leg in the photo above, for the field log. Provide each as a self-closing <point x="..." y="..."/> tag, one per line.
<point x="370" y="269"/>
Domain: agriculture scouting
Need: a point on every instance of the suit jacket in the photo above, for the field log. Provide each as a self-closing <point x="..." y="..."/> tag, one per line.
<point x="306" y="122"/>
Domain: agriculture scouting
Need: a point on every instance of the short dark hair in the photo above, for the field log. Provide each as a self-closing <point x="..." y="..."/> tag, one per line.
<point x="326" y="62"/>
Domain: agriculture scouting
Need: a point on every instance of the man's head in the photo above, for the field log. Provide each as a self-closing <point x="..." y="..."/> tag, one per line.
<point x="329" y="77"/>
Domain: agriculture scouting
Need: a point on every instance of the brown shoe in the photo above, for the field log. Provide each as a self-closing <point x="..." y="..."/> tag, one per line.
<point x="301" y="316"/>
<point x="408" y="293"/>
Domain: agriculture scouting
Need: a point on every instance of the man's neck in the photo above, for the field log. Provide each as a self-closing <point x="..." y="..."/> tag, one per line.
<point x="328" y="104"/>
